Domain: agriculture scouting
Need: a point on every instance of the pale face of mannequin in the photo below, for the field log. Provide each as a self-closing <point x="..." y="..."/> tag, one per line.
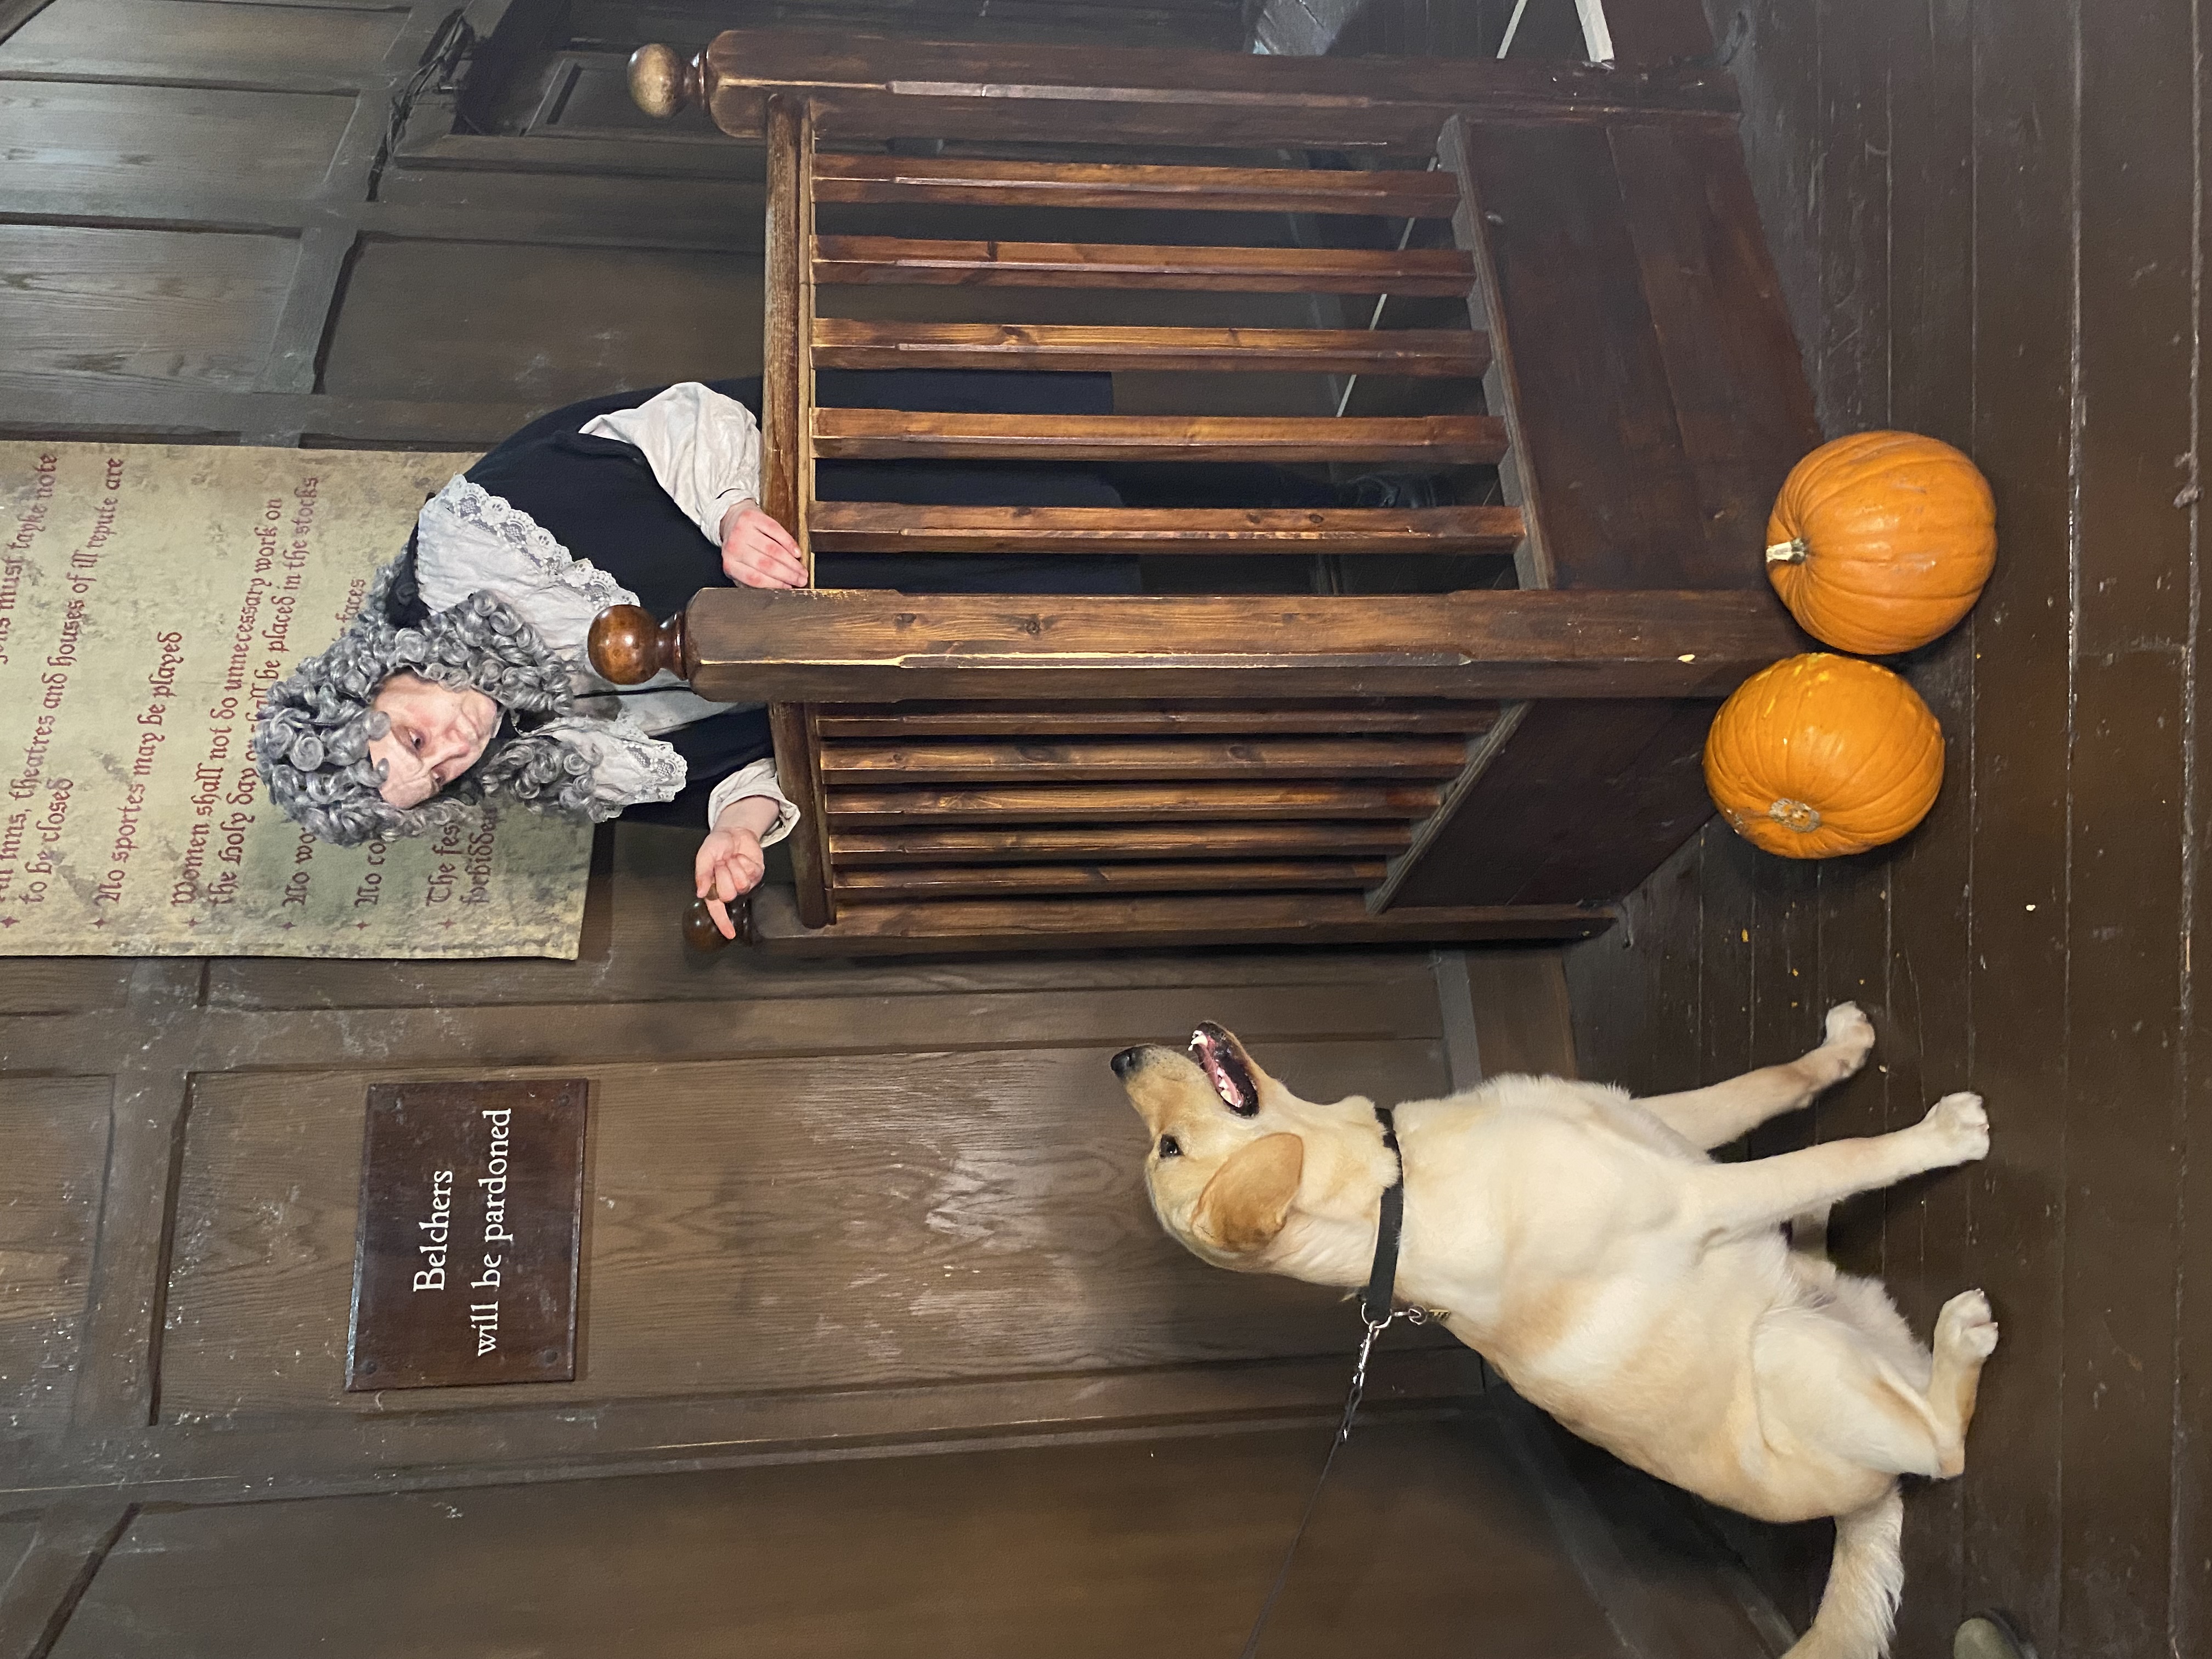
<point x="437" y="734"/>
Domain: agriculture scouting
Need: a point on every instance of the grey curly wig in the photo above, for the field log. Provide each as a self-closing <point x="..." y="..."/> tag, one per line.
<point x="310" y="738"/>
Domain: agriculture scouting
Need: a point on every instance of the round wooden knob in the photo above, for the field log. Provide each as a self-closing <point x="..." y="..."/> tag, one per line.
<point x="701" y="934"/>
<point x="624" y="645"/>
<point x="661" y="81"/>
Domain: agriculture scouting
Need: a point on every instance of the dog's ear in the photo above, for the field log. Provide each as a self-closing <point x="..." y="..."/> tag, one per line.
<point x="1247" y="1200"/>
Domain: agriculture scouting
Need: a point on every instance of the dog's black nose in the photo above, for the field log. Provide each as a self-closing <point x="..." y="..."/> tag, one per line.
<point x="1128" y="1060"/>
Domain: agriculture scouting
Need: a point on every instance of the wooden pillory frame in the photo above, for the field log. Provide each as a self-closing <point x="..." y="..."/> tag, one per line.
<point x="1500" y="761"/>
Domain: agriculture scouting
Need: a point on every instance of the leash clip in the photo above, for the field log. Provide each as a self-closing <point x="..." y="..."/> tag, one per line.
<point x="1374" y="1329"/>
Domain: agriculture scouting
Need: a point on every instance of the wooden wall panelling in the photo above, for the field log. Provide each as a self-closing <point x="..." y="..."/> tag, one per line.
<point x="56" y="1131"/>
<point x="889" y="1010"/>
<point x="135" y="308"/>
<point x="331" y="1454"/>
<point x="47" y="1559"/>
<point x="117" y="1368"/>
<point x="317" y="49"/>
<point x="13" y="14"/>
<point x="2129" y="837"/>
<point x="62" y="984"/>
<point x="129" y="150"/>
<point x="1522" y="1016"/>
<point x="439" y="320"/>
<point x="975" y="1554"/>
<point x="15" y="1537"/>
<point x="429" y="145"/>
<point x="637" y="207"/>
<point x="762" y="1224"/>
<point x="1210" y="24"/>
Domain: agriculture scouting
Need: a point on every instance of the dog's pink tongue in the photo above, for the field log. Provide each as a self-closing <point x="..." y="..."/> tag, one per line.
<point x="1203" y="1050"/>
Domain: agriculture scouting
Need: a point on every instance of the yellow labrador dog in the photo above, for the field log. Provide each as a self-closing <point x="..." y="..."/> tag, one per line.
<point x="1646" y="1296"/>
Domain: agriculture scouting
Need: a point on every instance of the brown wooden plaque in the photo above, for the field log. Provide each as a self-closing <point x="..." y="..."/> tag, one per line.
<point x="472" y="1212"/>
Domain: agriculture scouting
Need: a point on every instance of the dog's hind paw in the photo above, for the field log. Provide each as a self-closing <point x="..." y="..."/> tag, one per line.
<point x="1961" y="1126"/>
<point x="1965" y="1329"/>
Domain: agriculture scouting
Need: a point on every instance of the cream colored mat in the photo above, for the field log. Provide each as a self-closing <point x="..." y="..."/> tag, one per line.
<point x="148" y="595"/>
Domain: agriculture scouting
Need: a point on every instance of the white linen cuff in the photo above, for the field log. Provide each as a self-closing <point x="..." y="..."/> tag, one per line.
<point x="758" y="778"/>
<point x="704" y="449"/>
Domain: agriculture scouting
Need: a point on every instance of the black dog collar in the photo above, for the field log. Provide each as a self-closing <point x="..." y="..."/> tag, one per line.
<point x="1383" y="1278"/>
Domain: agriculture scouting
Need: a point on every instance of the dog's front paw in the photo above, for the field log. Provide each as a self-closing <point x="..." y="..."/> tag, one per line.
<point x="1848" y="1040"/>
<point x="1961" y="1126"/>
<point x="1965" y="1330"/>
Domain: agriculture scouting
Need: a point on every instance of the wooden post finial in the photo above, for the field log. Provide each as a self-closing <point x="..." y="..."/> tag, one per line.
<point x="701" y="934"/>
<point x="662" y="82"/>
<point x="628" y="647"/>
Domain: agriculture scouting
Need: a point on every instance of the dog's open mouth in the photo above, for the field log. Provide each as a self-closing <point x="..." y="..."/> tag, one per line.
<point x="1215" y="1051"/>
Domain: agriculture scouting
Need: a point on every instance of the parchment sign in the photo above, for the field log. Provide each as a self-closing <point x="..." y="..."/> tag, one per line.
<point x="471" y="1208"/>
<point x="149" y="597"/>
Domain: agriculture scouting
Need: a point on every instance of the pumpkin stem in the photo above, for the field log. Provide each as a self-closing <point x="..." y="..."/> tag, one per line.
<point x="1792" y="551"/>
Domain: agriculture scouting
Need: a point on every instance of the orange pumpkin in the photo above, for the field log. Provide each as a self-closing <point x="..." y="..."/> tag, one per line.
<point x="1820" y="756"/>
<point x="1880" y="542"/>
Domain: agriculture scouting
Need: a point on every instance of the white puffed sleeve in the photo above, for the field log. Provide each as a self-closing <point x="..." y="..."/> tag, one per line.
<point x="758" y="778"/>
<point x="704" y="449"/>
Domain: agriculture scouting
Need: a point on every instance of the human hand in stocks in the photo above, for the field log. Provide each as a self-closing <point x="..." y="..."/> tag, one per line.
<point x="758" y="551"/>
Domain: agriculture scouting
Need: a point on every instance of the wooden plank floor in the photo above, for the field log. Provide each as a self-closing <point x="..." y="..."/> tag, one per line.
<point x="1983" y="216"/>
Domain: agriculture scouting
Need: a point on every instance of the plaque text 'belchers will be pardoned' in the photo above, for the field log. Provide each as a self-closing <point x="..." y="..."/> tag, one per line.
<point x="471" y="1202"/>
<point x="439" y="1244"/>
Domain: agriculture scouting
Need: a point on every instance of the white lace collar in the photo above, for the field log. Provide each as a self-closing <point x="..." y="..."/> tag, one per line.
<point x="469" y="541"/>
<point x="465" y="530"/>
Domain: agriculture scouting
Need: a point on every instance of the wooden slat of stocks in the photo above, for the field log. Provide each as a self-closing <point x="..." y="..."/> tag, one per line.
<point x="1129" y="803"/>
<point x="891" y="434"/>
<point x="971" y="881"/>
<point x="844" y="646"/>
<point x="895" y="179"/>
<point x="850" y="342"/>
<point x="787" y="460"/>
<point x="1136" y="720"/>
<point x="867" y="88"/>
<point x="1148" y="923"/>
<point x="792" y="726"/>
<point x="1130" y="759"/>
<point x="891" y="527"/>
<point x="1043" y="844"/>
<point x="1443" y="272"/>
<point x="787" y="323"/>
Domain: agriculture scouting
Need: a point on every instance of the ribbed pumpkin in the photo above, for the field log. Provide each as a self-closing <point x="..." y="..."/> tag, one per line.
<point x="1882" y="541"/>
<point x="1820" y="756"/>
